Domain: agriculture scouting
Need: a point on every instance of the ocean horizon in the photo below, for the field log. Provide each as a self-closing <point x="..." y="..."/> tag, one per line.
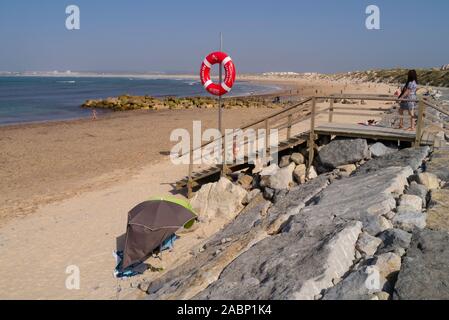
<point x="26" y="99"/>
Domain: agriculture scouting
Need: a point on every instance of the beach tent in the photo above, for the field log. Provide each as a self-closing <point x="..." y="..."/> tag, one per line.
<point x="152" y="222"/>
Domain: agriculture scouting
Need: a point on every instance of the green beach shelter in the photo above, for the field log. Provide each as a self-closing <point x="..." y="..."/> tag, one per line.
<point x="152" y="222"/>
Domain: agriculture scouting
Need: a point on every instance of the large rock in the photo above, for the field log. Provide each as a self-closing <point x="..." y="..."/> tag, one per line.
<point x="219" y="200"/>
<point x="297" y="158"/>
<point x="388" y="265"/>
<point x="245" y="181"/>
<point x="269" y="270"/>
<point x="367" y="244"/>
<point x="284" y="162"/>
<point x="362" y="198"/>
<point x="424" y="273"/>
<point x="409" y="220"/>
<point x="375" y="224"/>
<point x="438" y="213"/>
<point x="300" y="173"/>
<point x="429" y="180"/>
<point x="394" y="239"/>
<point x="359" y="285"/>
<point x="294" y="201"/>
<point x="379" y="149"/>
<point x="418" y="190"/>
<point x="270" y="170"/>
<point x="283" y="178"/>
<point x="340" y="152"/>
<point x="412" y="157"/>
<point x="411" y="202"/>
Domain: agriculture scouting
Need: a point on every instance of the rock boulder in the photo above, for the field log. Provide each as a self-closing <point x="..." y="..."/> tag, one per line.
<point x="394" y="239"/>
<point x="388" y="265"/>
<point x="379" y="149"/>
<point x="300" y="173"/>
<point x="297" y="158"/>
<point x="359" y="285"/>
<point x="341" y="152"/>
<point x="283" y="178"/>
<point x="367" y="244"/>
<point x="412" y="157"/>
<point x="219" y="200"/>
<point x="429" y="180"/>
<point x="409" y="220"/>
<point x="418" y="190"/>
<point x="424" y="273"/>
<point x="269" y="270"/>
<point x="411" y="202"/>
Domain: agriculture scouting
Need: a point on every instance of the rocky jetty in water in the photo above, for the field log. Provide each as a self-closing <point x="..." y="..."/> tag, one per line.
<point x="128" y="102"/>
<point x="366" y="228"/>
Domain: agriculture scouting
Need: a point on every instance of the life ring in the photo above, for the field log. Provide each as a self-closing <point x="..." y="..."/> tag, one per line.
<point x="229" y="76"/>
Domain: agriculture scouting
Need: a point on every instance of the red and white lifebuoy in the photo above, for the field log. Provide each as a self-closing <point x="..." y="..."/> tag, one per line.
<point x="229" y="76"/>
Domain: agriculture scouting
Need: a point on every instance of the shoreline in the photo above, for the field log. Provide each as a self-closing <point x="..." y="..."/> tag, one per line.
<point x="270" y="89"/>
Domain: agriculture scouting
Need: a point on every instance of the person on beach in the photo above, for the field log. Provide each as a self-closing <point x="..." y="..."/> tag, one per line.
<point x="408" y="93"/>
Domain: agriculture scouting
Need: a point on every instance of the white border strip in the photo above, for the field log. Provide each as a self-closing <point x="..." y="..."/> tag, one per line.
<point x="207" y="63"/>
<point x="226" y="60"/>
<point x="224" y="86"/>
<point x="207" y="83"/>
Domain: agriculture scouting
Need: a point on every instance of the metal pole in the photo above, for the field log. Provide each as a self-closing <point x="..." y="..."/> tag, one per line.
<point x="220" y="75"/>
<point x="312" y="136"/>
<point x="220" y="115"/>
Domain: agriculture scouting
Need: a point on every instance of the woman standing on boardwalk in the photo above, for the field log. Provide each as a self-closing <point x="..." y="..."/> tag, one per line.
<point x="408" y="93"/>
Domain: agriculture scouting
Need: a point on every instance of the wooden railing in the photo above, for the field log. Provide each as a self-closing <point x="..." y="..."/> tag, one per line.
<point x="423" y="104"/>
<point x="268" y="123"/>
<point x="304" y="111"/>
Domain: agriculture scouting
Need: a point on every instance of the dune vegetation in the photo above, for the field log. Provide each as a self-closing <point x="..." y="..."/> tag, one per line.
<point x="427" y="77"/>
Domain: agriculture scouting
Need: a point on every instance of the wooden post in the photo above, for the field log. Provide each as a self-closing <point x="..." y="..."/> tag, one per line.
<point x="267" y="140"/>
<point x="420" y="124"/>
<point x="312" y="135"/>
<point x="331" y="111"/>
<point x="190" y="182"/>
<point x="289" y="128"/>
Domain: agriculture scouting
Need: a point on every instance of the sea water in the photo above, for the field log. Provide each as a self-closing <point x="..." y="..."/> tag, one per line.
<point x="30" y="99"/>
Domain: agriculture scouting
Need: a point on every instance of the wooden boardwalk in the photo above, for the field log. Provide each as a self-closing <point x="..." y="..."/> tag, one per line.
<point x="307" y="110"/>
<point x="367" y="132"/>
<point x="200" y="176"/>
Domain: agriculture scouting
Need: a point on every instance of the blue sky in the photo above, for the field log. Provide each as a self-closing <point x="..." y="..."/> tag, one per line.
<point x="262" y="35"/>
